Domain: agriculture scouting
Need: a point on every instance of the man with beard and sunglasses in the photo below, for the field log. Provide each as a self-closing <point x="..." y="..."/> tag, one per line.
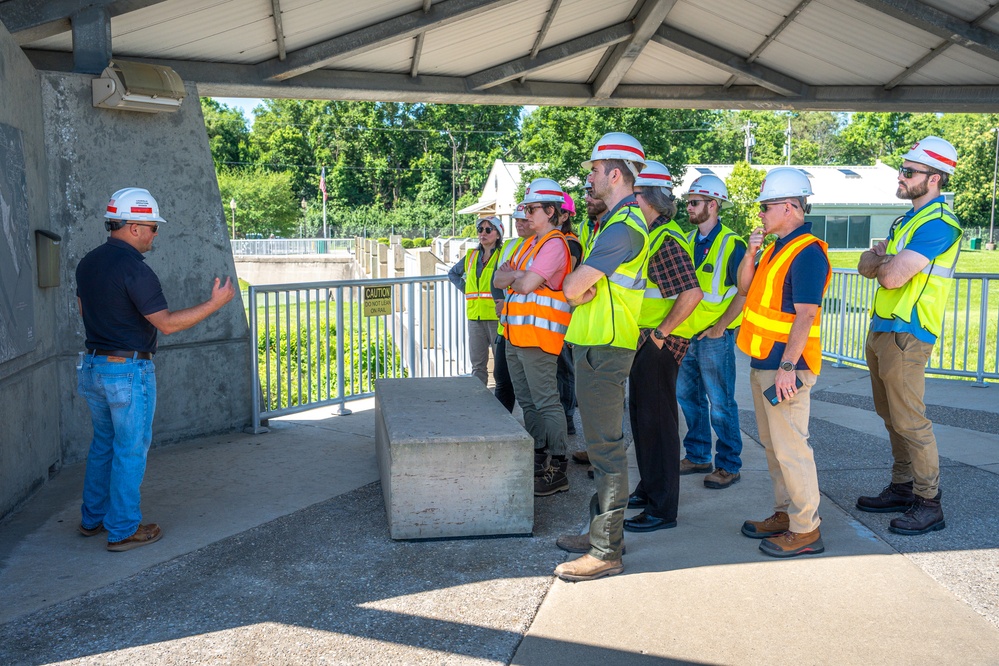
<point x="914" y="268"/>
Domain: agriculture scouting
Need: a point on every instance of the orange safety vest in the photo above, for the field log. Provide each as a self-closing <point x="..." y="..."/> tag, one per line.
<point x="540" y="318"/>
<point x="763" y="322"/>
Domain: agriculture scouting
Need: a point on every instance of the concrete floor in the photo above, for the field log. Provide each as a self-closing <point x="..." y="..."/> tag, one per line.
<point x="276" y="550"/>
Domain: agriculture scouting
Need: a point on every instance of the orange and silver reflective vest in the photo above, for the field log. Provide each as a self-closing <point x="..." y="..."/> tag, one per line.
<point x="763" y="322"/>
<point x="540" y="318"/>
<point x="479" y="303"/>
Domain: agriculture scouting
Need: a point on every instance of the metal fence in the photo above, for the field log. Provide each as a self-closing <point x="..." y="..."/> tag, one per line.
<point x="318" y="344"/>
<point x="265" y="247"/>
<point x="967" y="347"/>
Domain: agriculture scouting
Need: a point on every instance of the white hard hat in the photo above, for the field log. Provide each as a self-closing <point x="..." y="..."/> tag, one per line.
<point x="933" y="152"/>
<point x="518" y="213"/>
<point x="784" y="183"/>
<point x="712" y="187"/>
<point x="655" y="174"/>
<point x="133" y="204"/>
<point x="544" y="190"/>
<point x="618" y="146"/>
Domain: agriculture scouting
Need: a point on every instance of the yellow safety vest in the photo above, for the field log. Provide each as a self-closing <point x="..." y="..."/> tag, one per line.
<point x="717" y="296"/>
<point x="611" y="317"/>
<point x="479" y="303"/>
<point x="509" y="248"/>
<point x="929" y="289"/>
<point x="655" y="307"/>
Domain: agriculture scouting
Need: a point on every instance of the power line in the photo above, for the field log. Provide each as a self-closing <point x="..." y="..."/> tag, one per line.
<point x="354" y="168"/>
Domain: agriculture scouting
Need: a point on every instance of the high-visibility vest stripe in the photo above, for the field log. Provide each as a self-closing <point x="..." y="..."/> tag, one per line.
<point x="540" y="318"/>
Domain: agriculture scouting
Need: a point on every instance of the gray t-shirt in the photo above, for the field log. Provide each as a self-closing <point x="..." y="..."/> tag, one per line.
<point x="616" y="245"/>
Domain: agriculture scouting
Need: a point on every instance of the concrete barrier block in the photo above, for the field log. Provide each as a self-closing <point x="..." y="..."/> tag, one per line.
<point x="452" y="461"/>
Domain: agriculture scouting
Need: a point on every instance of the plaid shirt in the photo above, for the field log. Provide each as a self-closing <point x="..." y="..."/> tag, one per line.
<point x="672" y="269"/>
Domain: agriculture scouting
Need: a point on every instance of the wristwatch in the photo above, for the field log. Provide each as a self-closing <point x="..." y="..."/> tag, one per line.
<point x="787" y="366"/>
<point x="657" y="334"/>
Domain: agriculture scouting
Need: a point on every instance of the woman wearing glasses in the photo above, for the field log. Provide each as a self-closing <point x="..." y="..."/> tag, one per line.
<point x="473" y="275"/>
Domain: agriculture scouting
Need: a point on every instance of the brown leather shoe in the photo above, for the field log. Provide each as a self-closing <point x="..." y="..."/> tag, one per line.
<point x="772" y="526"/>
<point x="720" y="478"/>
<point x="588" y="567"/>
<point x="579" y="543"/>
<point x="581" y="458"/>
<point x="688" y="467"/>
<point x="145" y="535"/>
<point x="790" y="544"/>
<point x="90" y="532"/>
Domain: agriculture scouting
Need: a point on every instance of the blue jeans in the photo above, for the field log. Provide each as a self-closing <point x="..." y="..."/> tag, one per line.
<point x="122" y="399"/>
<point x="705" y="389"/>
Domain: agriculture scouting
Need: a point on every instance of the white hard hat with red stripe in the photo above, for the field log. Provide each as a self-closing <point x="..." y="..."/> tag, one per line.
<point x="712" y="187"/>
<point x="933" y="152"/>
<point x="518" y="213"/>
<point x="784" y="183"/>
<point x="655" y="174"/>
<point x="618" y="146"/>
<point x="544" y="190"/>
<point x="133" y="204"/>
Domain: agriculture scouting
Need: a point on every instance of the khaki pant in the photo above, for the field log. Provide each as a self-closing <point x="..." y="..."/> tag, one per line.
<point x="532" y="372"/>
<point x="481" y="337"/>
<point x="897" y="362"/>
<point x="784" y="435"/>
<point x="600" y="376"/>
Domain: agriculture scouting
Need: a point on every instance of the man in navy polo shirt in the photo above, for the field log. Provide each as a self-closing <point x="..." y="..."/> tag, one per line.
<point x="123" y="307"/>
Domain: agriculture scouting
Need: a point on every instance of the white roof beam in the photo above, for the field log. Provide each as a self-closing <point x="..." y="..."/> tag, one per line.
<point x="30" y="20"/>
<point x="624" y="55"/>
<point x="573" y="48"/>
<point x="414" y="68"/>
<point x="732" y="63"/>
<point x="278" y="29"/>
<point x="758" y="51"/>
<point x="941" y="24"/>
<point x="374" y="36"/>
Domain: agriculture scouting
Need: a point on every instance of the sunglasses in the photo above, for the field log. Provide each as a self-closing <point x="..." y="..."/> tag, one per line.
<point x="530" y="208"/>
<point x="486" y="230"/>
<point x="154" y="227"/>
<point x="907" y="172"/>
<point x="765" y="206"/>
<point x="694" y="203"/>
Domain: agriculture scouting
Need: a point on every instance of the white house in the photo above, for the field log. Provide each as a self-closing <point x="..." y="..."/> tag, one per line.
<point x="499" y="194"/>
<point x="852" y="208"/>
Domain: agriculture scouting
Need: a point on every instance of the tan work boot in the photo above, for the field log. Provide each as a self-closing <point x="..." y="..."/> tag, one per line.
<point x="721" y="478"/>
<point x="790" y="544"/>
<point x="688" y="467"/>
<point x="145" y="535"/>
<point x="588" y="567"/>
<point x="772" y="526"/>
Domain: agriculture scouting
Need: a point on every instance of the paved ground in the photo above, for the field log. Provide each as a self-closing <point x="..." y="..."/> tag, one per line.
<point x="276" y="550"/>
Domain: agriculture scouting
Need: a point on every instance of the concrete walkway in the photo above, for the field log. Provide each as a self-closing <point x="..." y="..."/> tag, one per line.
<point x="276" y="550"/>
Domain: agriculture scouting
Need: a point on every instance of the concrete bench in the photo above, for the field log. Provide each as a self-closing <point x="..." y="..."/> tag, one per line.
<point x="452" y="461"/>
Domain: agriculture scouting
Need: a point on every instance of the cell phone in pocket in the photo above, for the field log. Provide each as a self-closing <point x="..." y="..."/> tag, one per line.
<point x="771" y="393"/>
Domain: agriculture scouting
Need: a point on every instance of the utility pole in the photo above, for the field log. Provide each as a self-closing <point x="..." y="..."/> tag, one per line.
<point x="787" y="142"/>
<point x="991" y="245"/>
<point x="454" y="159"/>
<point x="749" y="141"/>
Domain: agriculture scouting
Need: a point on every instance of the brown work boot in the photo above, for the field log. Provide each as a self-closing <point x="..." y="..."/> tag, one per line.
<point x="894" y="497"/>
<point x="720" y="478"/>
<point x="554" y="480"/>
<point x="925" y="515"/>
<point x="791" y="543"/>
<point x="772" y="526"/>
<point x="588" y="567"/>
<point x="581" y="458"/>
<point x="145" y="535"/>
<point x="688" y="467"/>
<point x="89" y="532"/>
<point x="541" y="460"/>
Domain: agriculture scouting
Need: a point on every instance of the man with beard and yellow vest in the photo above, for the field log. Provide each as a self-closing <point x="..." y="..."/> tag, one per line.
<point x="914" y="268"/>
<point x="607" y="290"/>
<point x="780" y="331"/>
<point x="706" y="384"/>
<point x="671" y="294"/>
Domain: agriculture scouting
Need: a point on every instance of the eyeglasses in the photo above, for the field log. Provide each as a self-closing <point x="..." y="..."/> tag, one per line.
<point x="486" y="230"/>
<point x="153" y="227"/>
<point x="530" y="208"/>
<point x="765" y="205"/>
<point x="907" y="172"/>
<point x="638" y="193"/>
<point x="694" y="203"/>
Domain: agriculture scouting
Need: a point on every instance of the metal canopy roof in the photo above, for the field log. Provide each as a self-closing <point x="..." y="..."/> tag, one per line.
<point x="861" y="55"/>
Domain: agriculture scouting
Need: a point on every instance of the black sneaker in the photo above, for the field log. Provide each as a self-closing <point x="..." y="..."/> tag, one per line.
<point x="554" y="480"/>
<point x="925" y="515"/>
<point x="894" y="497"/>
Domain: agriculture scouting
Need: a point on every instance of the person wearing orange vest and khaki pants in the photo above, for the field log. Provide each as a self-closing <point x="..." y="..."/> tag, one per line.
<point x="780" y="331"/>
<point x="537" y="316"/>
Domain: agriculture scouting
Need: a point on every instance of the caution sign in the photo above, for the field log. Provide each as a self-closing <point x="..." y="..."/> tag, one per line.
<point x="377" y="301"/>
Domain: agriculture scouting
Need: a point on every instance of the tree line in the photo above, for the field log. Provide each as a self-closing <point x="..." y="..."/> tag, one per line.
<point x="400" y="168"/>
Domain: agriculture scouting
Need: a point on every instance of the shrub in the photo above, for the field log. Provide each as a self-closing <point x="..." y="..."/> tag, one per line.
<point x="408" y="243"/>
<point x="383" y="240"/>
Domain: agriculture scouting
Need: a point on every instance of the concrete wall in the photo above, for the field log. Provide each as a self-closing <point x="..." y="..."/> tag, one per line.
<point x="76" y="156"/>
<point x="301" y="268"/>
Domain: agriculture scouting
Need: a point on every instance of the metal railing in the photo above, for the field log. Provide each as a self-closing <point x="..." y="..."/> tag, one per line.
<point x="966" y="348"/>
<point x="316" y="344"/>
<point x="267" y="247"/>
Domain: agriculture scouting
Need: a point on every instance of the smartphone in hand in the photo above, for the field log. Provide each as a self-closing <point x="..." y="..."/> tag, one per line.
<point x="771" y="393"/>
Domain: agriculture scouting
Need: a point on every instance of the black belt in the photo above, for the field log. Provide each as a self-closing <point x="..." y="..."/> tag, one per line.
<point x="144" y="356"/>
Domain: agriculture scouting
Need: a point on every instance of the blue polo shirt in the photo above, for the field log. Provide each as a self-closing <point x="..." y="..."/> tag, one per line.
<point x="702" y="245"/>
<point x="805" y="283"/>
<point x="930" y="240"/>
<point x="117" y="289"/>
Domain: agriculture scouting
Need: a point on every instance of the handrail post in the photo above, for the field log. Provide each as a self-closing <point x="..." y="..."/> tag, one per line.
<point x="411" y="338"/>
<point x="983" y="327"/>
<point x="842" y="321"/>
<point x="256" y="427"/>
<point x="340" y="347"/>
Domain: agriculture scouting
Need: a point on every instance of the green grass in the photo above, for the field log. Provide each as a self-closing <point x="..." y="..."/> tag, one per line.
<point x="969" y="261"/>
